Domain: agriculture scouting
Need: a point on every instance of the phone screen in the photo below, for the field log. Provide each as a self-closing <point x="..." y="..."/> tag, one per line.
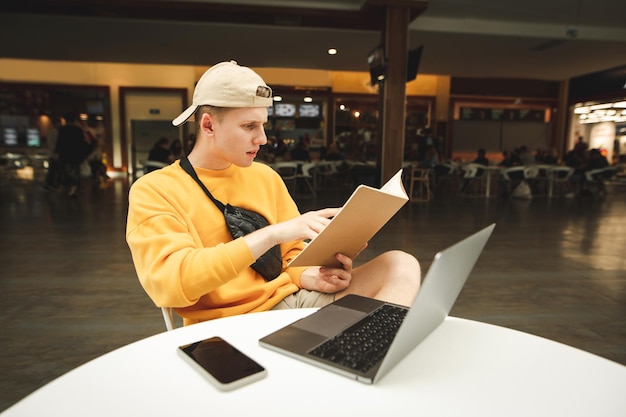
<point x="222" y="360"/>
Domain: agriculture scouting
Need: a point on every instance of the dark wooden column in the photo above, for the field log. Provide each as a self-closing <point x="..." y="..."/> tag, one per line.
<point x="393" y="91"/>
<point x="395" y="16"/>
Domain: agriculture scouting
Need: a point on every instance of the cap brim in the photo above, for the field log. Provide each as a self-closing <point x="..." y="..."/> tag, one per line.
<point x="184" y="116"/>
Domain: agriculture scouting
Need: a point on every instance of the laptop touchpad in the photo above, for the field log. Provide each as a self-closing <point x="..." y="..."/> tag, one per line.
<point x="329" y="320"/>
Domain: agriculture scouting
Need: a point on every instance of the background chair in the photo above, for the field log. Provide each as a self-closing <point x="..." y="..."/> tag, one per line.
<point x="536" y="176"/>
<point x="512" y="177"/>
<point x="595" y="180"/>
<point x="472" y="175"/>
<point x="326" y="171"/>
<point x="150" y="166"/>
<point x="289" y="172"/>
<point x="306" y="176"/>
<point x="559" y="180"/>
<point x="420" y="182"/>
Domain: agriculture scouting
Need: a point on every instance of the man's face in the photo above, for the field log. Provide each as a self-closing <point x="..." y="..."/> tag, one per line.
<point x="239" y="135"/>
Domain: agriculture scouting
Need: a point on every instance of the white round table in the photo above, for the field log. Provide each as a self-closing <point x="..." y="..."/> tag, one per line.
<point x="464" y="368"/>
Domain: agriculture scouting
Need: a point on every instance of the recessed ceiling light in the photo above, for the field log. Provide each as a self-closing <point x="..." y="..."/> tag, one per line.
<point x="332" y="51"/>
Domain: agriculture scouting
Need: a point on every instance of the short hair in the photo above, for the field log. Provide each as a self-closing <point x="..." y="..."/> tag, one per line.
<point x="217" y="112"/>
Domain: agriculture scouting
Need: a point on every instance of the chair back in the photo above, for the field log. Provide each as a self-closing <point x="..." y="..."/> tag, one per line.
<point x="149" y="166"/>
<point x="327" y="168"/>
<point x="471" y="170"/>
<point x="513" y="173"/>
<point x="531" y="171"/>
<point x="307" y="168"/>
<point x="287" y="170"/>
<point x="601" y="174"/>
<point x="561" y="173"/>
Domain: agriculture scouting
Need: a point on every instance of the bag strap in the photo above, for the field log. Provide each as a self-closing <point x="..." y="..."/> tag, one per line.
<point x="186" y="166"/>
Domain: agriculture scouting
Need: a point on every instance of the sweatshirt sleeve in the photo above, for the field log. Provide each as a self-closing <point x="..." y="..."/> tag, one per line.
<point x="173" y="264"/>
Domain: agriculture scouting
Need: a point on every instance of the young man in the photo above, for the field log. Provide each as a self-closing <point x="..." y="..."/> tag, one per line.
<point x="185" y="256"/>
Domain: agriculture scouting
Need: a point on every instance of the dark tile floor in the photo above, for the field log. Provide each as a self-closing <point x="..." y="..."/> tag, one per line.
<point x="68" y="291"/>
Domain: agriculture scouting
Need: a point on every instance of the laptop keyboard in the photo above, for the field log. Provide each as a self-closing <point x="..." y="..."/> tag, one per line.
<point x="365" y="343"/>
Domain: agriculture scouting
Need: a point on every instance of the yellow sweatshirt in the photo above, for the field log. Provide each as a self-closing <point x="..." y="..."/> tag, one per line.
<point x="183" y="253"/>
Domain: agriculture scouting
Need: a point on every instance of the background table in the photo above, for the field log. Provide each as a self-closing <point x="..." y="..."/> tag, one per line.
<point x="464" y="368"/>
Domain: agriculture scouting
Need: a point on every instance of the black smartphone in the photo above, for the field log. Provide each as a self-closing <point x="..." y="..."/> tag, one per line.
<point x="221" y="363"/>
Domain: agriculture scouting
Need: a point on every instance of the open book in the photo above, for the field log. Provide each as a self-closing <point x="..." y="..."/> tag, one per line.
<point x="367" y="210"/>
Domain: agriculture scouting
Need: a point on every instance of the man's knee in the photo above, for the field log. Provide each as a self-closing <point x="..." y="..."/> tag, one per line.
<point x="401" y="262"/>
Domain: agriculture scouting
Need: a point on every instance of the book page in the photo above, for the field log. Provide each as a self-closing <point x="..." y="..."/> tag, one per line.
<point x="367" y="210"/>
<point x="394" y="185"/>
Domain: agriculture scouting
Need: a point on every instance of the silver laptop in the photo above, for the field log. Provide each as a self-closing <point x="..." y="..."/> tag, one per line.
<point x="364" y="338"/>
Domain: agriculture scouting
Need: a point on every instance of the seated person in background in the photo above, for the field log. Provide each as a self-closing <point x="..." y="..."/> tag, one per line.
<point x="160" y="153"/>
<point x="577" y="157"/>
<point x="550" y="157"/>
<point x="176" y="149"/>
<point x="516" y="158"/>
<point x="332" y="153"/>
<point x="182" y="250"/>
<point x="507" y="161"/>
<point x="525" y="156"/>
<point x="300" y="153"/>
<point x="595" y="160"/>
<point x="481" y="157"/>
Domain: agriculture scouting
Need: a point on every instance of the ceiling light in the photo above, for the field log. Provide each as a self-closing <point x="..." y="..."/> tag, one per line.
<point x="332" y="51"/>
<point x="601" y="106"/>
<point x="308" y="99"/>
<point x="278" y="98"/>
<point x="581" y="110"/>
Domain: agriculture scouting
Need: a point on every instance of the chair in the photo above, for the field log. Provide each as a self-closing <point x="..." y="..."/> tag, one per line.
<point x="326" y="170"/>
<point x="512" y="176"/>
<point x="168" y="317"/>
<point x="150" y="166"/>
<point x="444" y="178"/>
<point x="559" y="176"/>
<point x="472" y="174"/>
<point x="420" y="182"/>
<point x="595" y="178"/>
<point x="307" y="176"/>
<point x="536" y="177"/>
<point x="289" y="173"/>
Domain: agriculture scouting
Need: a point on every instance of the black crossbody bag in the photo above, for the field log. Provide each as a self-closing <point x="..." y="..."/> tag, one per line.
<point x="240" y="222"/>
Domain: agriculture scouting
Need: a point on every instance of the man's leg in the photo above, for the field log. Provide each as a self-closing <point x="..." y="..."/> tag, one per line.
<point x="393" y="276"/>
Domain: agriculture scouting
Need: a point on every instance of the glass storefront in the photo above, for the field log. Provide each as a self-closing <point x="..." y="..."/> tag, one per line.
<point x="602" y="125"/>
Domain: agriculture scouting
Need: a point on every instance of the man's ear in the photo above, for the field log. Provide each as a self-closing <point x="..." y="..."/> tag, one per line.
<point x="206" y="123"/>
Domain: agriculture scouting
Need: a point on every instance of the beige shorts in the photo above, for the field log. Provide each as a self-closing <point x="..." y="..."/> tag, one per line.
<point x="305" y="299"/>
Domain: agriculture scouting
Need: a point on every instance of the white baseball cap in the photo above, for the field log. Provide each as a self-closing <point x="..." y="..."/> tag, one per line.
<point x="228" y="85"/>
